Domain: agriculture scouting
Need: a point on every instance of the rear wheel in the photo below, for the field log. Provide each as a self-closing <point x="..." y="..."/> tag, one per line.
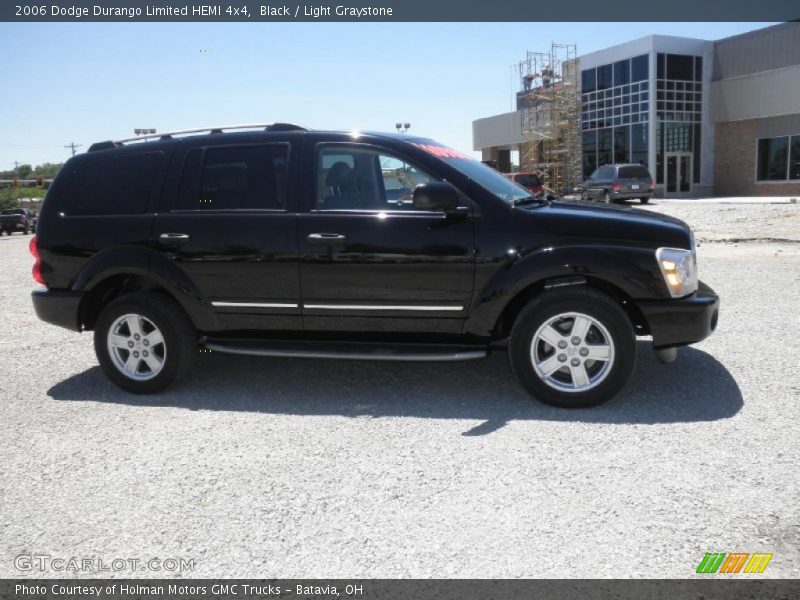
<point x="144" y="342"/>
<point x="573" y="348"/>
<point x="644" y="200"/>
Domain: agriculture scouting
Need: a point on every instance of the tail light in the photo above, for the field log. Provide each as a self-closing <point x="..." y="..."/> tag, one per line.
<point x="652" y="185"/>
<point x="37" y="265"/>
<point x="617" y="186"/>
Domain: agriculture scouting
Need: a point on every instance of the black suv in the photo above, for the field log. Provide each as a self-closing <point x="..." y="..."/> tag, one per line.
<point x="614" y="183"/>
<point x="285" y="242"/>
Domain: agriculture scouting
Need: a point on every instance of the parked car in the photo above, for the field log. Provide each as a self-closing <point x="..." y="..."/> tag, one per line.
<point x="614" y="183"/>
<point x="17" y="219"/>
<point x="530" y="181"/>
<point x="283" y="242"/>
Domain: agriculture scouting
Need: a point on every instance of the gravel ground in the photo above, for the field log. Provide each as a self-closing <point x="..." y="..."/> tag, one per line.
<point x="292" y="468"/>
<point x="736" y="223"/>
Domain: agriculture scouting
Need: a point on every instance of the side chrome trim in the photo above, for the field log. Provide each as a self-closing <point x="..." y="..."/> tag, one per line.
<point x="255" y="304"/>
<point x="420" y="354"/>
<point x="339" y="306"/>
<point x="380" y="307"/>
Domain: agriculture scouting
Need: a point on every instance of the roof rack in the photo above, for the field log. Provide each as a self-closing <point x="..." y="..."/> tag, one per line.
<point x="168" y="135"/>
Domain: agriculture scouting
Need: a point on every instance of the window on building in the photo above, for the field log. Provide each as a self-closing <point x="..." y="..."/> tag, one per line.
<point x="794" y="158"/>
<point x="640" y="68"/>
<point x="639" y="144"/>
<point x="698" y="68"/>
<point x="773" y="159"/>
<point x="697" y="154"/>
<point x="589" y="144"/>
<point x="622" y="72"/>
<point x="114" y="186"/>
<point x="234" y="178"/>
<point x="680" y="66"/>
<point x="621" y="140"/>
<point x="661" y="68"/>
<point x="604" y="146"/>
<point x="604" y="77"/>
<point x="589" y="80"/>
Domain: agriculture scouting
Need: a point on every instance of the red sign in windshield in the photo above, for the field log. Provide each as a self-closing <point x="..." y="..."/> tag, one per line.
<point x="441" y="151"/>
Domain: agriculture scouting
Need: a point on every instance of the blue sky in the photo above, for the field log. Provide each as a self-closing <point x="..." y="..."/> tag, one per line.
<point x="86" y="82"/>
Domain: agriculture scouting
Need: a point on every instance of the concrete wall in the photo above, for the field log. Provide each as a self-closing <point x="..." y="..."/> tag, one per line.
<point x="757" y="95"/>
<point x="735" y="164"/>
<point x="498" y="131"/>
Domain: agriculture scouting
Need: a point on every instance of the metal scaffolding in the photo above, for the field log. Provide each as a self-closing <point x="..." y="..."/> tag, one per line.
<point x="549" y="99"/>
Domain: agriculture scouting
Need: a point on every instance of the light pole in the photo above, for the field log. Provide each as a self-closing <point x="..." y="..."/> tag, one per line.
<point x="402" y="127"/>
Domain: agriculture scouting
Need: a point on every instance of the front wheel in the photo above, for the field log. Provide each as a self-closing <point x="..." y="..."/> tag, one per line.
<point x="572" y="348"/>
<point x="644" y="200"/>
<point x="144" y="342"/>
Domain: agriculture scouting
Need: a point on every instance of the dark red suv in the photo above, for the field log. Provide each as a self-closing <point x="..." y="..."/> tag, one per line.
<point x="527" y="180"/>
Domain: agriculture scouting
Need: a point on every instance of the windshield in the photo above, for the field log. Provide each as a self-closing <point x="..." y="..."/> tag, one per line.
<point x="527" y="180"/>
<point x="485" y="176"/>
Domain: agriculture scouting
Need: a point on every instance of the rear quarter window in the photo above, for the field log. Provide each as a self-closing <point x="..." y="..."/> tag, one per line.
<point x="119" y="185"/>
<point x="634" y="172"/>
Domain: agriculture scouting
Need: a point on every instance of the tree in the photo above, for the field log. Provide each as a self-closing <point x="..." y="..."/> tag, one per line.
<point x="47" y="170"/>
<point x="24" y="171"/>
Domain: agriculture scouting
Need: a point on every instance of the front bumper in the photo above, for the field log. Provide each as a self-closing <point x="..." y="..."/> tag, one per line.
<point x="58" y="307"/>
<point x="682" y="321"/>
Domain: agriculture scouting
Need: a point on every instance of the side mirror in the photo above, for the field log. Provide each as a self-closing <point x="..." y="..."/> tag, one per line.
<point x="436" y="196"/>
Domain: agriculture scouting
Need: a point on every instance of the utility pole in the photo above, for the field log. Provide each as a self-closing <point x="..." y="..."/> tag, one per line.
<point x="16" y="165"/>
<point x="72" y="146"/>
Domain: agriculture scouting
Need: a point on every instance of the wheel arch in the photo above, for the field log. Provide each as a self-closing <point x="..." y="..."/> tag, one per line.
<point x="509" y="314"/>
<point x="625" y="273"/>
<point x="131" y="269"/>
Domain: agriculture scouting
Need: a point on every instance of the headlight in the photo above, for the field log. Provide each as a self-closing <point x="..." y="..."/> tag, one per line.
<point x="679" y="268"/>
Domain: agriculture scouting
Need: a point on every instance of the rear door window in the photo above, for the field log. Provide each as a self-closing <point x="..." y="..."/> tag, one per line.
<point x="634" y="172"/>
<point x="119" y="185"/>
<point x="250" y="177"/>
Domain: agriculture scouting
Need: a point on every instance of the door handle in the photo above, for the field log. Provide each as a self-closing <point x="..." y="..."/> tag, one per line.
<point x="174" y="239"/>
<point x="324" y="239"/>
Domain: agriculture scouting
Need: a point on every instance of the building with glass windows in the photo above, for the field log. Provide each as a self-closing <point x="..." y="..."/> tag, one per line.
<point x="705" y="117"/>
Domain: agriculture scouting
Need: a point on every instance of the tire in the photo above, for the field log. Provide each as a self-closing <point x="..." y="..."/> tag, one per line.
<point x="609" y="334"/>
<point x="585" y="196"/>
<point x="644" y="200"/>
<point x="175" y="353"/>
<point x="606" y="197"/>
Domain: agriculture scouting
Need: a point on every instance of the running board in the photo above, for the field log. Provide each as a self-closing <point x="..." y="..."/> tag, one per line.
<point x="351" y="350"/>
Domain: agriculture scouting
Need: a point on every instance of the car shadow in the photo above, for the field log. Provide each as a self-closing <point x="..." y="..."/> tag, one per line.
<point x="695" y="388"/>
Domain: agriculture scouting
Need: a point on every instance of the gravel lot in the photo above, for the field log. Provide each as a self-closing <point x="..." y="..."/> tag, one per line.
<point x="291" y="468"/>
